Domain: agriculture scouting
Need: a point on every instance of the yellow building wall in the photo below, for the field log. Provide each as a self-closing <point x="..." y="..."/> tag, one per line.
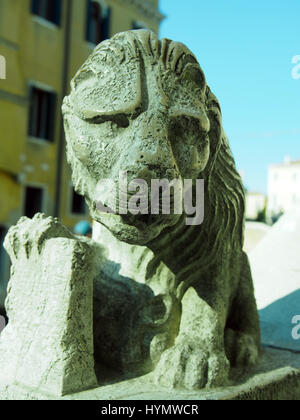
<point x="33" y="50"/>
<point x="12" y="193"/>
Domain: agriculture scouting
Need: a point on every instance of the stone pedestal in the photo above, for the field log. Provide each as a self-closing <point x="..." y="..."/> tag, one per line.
<point x="277" y="377"/>
<point x="48" y="343"/>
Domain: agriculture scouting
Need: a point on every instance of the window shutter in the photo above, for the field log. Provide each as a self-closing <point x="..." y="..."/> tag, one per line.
<point x="51" y="116"/>
<point x="30" y="113"/>
<point x="88" y="20"/>
<point x="106" y="25"/>
<point x="57" y="12"/>
<point x="35" y="6"/>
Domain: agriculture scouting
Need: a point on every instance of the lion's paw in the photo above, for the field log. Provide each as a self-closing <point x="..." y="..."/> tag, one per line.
<point x="188" y="365"/>
<point x="29" y="234"/>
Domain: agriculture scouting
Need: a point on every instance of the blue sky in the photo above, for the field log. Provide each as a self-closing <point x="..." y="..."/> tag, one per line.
<point x="245" y="49"/>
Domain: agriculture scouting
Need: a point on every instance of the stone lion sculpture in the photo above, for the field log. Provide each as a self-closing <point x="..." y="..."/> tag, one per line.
<point x="170" y="298"/>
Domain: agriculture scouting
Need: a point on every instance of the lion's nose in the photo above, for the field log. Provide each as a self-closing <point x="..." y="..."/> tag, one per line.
<point x="152" y="159"/>
<point x="156" y="154"/>
<point x="151" y="153"/>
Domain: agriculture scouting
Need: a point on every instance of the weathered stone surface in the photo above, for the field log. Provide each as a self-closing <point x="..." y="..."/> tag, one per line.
<point x="48" y="343"/>
<point x="276" y="271"/>
<point x="276" y="377"/>
<point x="171" y="298"/>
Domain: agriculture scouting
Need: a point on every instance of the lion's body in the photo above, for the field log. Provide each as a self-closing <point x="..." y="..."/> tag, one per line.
<point x="173" y="297"/>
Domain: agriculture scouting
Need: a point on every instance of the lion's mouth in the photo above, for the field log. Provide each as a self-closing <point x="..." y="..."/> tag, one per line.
<point x="142" y="220"/>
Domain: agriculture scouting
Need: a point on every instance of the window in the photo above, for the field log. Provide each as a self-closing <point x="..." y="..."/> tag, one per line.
<point x="33" y="201"/>
<point x="78" y="203"/>
<point x="47" y="9"/>
<point x="42" y="110"/>
<point x="98" y="22"/>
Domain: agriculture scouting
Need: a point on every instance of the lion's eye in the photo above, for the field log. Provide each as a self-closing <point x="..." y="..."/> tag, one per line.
<point x="186" y="125"/>
<point x="121" y="120"/>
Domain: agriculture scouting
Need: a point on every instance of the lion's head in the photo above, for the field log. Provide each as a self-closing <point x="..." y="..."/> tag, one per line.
<point x="141" y="106"/>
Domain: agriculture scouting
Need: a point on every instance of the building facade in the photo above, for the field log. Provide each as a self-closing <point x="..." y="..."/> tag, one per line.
<point x="255" y="205"/>
<point x="283" y="187"/>
<point x="42" y="45"/>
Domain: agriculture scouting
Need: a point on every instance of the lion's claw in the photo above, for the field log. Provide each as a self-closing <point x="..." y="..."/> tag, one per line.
<point x="187" y="365"/>
<point x="29" y="234"/>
